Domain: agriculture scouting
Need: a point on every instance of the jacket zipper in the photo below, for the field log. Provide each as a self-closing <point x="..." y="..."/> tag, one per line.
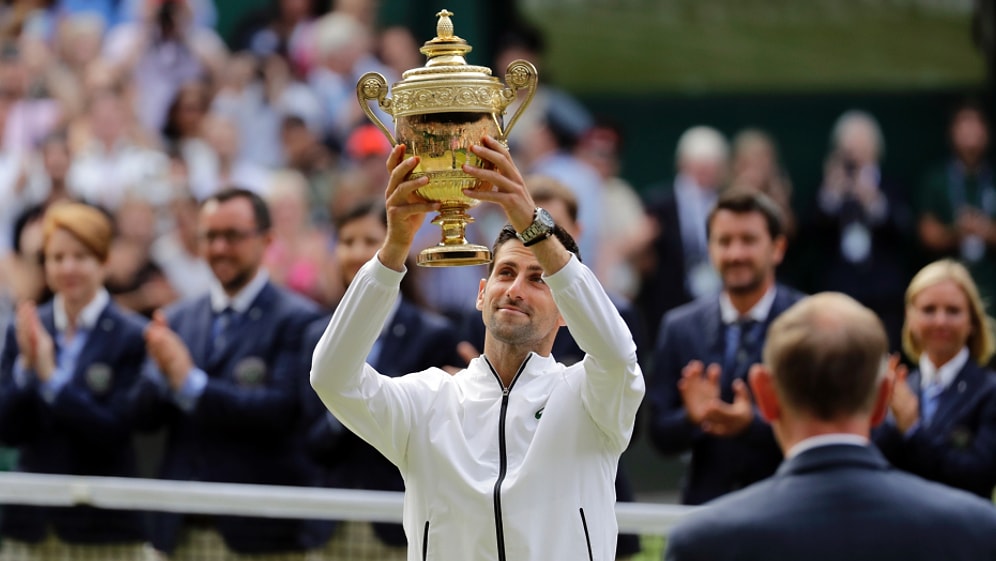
<point x="425" y="542"/>
<point x="587" y="536"/>
<point x="502" y="453"/>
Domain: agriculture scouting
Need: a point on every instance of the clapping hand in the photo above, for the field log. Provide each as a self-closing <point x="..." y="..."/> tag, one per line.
<point x="904" y="404"/>
<point x="35" y="344"/>
<point x="699" y="387"/>
<point x="168" y="350"/>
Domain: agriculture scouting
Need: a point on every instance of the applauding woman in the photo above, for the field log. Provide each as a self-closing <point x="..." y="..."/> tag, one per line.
<point x="65" y="373"/>
<point x="942" y="424"/>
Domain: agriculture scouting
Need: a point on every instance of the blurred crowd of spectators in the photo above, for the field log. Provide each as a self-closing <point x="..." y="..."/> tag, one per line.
<point x="139" y="108"/>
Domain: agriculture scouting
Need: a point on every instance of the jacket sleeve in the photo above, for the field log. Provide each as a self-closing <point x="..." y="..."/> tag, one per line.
<point x="613" y="383"/>
<point x="373" y="406"/>
<point x="670" y="430"/>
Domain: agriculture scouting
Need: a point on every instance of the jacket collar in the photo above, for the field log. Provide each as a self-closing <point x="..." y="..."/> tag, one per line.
<point x="833" y="456"/>
<point x="88" y="315"/>
<point x="532" y="366"/>
<point x="241" y="301"/>
<point x="760" y="312"/>
<point x="956" y="395"/>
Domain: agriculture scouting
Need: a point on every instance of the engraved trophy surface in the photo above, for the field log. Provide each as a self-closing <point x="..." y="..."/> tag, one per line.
<point x="440" y="110"/>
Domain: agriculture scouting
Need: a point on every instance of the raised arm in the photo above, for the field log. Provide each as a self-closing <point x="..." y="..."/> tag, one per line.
<point x="373" y="406"/>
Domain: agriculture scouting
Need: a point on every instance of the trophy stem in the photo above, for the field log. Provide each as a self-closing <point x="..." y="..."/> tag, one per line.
<point x="453" y="220"/>
<point x="454" y="250"/>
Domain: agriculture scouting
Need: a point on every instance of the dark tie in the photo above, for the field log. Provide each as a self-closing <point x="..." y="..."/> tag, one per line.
<point x="221" y="331"/>
<point x="739" y="339"/>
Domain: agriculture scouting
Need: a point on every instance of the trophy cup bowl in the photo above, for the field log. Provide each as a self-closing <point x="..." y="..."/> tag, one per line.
<point x="440" y="111"/>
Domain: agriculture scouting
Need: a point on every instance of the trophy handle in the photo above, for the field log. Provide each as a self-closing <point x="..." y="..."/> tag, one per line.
<point x="521" y="74"/>
<point x="373" y="86"/>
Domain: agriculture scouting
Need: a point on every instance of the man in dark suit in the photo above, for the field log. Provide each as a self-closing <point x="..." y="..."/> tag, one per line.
<point x="228" y="375"/>
<point x="678" y="268"/>
<point x="413" y="340"/>
<point x="699" y="398"/>
<point x="824" y="384"/>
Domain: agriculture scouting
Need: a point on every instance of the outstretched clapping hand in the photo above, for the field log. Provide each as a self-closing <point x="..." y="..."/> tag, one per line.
<point x="168" y="351"/>
<point x="700" y="393"/>
<point x="35" y="345"/>
<point x="904" y="404"/>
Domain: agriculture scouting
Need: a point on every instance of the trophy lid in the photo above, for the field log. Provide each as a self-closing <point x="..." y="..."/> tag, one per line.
<point x="447" y="49"/>
<point x="447" y="82"/>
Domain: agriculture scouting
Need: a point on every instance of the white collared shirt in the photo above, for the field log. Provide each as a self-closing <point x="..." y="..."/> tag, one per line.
<point x="759" y="312"/>
<point x="945" y="374"/>
<point x="241" y="301"/>
<point x="825" y="440"/>
<point x="88" y="315"/>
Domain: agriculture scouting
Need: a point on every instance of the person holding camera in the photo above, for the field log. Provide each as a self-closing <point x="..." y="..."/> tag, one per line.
<point x="862" y="224"/>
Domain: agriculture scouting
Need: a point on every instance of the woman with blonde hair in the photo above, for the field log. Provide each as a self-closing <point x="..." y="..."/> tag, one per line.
<point x="65" y="373"/>
<point x="942" y="424"/>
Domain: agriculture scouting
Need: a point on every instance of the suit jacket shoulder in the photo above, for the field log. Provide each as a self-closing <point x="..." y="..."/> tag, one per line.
<point x="839" y="502"/>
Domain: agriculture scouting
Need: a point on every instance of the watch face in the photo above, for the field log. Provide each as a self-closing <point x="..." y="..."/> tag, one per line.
<point x="542" y="226"/>
<point x="544" y="218"/>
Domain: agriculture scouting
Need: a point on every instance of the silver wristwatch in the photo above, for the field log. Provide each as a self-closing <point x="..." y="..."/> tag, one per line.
<point x="539" y="230"/>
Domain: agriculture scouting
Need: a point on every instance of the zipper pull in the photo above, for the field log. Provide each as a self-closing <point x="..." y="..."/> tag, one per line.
<point x="504" y="392"/>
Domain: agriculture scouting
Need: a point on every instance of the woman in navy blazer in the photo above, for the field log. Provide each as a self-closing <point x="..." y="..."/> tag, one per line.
<point x="65" y="373"/>
<point x="943" y="418"/>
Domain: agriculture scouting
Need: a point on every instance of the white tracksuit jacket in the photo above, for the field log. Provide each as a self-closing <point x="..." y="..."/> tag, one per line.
<point x="519" y="474"/>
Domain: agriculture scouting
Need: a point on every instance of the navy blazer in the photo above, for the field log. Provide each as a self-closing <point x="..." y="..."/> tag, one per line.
<point x="87" y="430"/>
<point x="695" y="331"/>
<point x="414" y="341"/>
<point x="247" y="425"/>
<point x="958" y="447"/>
<point x="879" y="281"/>
<point x="838" y="502"/>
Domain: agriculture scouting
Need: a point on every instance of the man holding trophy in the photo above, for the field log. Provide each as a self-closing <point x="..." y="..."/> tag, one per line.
<point x="515" y="456"/>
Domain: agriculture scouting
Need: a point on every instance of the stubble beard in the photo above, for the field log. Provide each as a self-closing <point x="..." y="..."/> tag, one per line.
<point x="511" y="334"/>
<point x="755" y="283"/>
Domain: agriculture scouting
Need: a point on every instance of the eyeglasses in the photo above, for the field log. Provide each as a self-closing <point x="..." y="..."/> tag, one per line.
<point x="230" y="237"/>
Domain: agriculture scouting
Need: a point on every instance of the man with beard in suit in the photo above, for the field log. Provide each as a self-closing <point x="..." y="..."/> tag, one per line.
<point x="699" y="399"/>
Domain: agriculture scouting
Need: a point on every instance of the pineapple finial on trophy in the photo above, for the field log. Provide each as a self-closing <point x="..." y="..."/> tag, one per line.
<point x="444" y="27"/>
<point x="440" y="111"/>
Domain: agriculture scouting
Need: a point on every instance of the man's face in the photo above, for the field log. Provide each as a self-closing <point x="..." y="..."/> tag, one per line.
<point x="515" y="301"/>
<point x="969" y="134"/>
<point x="742" y="251"/>
<point x="231" y="242"/>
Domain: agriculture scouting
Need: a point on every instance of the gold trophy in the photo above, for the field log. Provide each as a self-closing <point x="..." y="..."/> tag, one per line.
<point x="440" y="110"/>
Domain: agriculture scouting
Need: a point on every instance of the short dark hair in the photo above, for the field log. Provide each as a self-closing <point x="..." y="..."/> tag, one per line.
<point x="260" y="211"/>
<point x="362" y="209"/>
<point x="508" y="233"/>
<point x="744" y="201"/>
<point x="827" y="354"/>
